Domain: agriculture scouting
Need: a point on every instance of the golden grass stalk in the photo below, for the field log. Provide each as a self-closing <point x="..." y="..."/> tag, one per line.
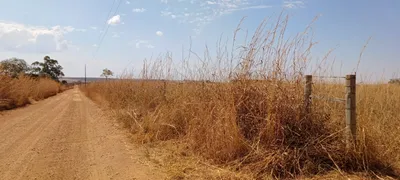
<point x="16" y="92"/>
<point x="245" y="110"/>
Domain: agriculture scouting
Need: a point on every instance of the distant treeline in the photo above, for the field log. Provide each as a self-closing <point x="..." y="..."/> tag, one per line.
<point x="394" y="81"/>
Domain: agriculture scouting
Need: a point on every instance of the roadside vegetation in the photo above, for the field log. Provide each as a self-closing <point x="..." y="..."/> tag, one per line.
<point x="395" y="81"/>
<point x="242" y="111"/>
<point x="21" y="84"/>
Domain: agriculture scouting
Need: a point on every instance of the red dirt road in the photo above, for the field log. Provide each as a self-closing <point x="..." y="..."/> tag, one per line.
<point x="68" y="137"/>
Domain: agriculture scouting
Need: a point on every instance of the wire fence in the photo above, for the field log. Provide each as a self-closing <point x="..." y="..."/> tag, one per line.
<point x="349" y="101"/>
<point x="330" y="77"/>
<point x="333" y="99"/>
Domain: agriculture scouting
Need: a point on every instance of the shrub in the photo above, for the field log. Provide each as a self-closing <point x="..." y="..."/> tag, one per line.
<point x="19" y="91"/>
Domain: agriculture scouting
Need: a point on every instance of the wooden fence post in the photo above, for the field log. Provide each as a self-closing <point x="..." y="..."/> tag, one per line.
<point x="351" y="121"/>
<point x="307" y="94"/>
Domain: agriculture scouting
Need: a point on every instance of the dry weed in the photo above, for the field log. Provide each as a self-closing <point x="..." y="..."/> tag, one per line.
<point x="16" y="92"/>
<point x="244" y="109"/>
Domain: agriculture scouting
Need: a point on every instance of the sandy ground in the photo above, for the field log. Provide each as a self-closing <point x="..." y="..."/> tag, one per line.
<point x="68" y="137"/>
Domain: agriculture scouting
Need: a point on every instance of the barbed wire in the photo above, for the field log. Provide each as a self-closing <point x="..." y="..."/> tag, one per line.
<point x="334" y="99"/>
<point x="331" y="77"/>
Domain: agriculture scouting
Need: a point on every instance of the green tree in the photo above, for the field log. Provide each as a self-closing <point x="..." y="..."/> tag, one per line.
<point x="49" y="67"/>
<point x="13" y="67"/>
<point x="107" y="73"/>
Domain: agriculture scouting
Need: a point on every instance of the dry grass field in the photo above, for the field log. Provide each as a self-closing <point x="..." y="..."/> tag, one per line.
<point x="16" y="92"/>
<point x="245" y="114"/>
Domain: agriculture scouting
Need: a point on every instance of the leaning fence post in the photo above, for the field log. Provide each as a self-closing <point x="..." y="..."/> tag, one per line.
<point x="307" y="94"/>
<point x="351" y="122"/>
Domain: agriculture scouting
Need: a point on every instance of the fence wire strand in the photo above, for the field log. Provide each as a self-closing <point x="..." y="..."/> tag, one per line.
<point x="331" y="77"/>
<point x="334" y="99"/>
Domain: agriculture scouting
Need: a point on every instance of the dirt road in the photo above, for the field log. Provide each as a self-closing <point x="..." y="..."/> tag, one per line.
<point x="68" y="137"/>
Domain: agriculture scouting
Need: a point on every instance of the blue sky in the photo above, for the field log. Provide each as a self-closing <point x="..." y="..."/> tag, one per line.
<point x="69" y="31"/>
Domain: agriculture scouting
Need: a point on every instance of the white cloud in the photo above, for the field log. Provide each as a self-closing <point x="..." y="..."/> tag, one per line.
<point x="164" y="1"/>
<point x="165" y="13"/>
<point x="247" y="8"/>
<point x="139" y="10"/>
<point x="81" y="30"/>
<point x="256" y="7"/>
<point x="293" y="4"/>
<point x="144" y="43"/>
<point x="199" y="13"/>
<point x="93" y="27"/>
<point x="69" y="28"/>
<point x="95" y="45"/>
<point x="159" y="33"/>
<point x="150" y="46"/>
<point x="127" y="2"/>
<point x="114" y="20"/>
<point x="23" y="38"/>
<point x="211" y="2"/>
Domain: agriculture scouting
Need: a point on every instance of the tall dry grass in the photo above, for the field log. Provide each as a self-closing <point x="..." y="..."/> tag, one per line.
<point x="16" y="92"/>
<point x="245" y="111"/>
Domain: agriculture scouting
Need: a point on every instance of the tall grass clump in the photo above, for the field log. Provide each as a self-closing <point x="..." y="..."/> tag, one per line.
<point x="244" y="108"/>
<point x="19" y="91"/>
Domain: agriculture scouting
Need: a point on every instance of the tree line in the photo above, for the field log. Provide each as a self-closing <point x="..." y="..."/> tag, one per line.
<point x="394" y="81"/>
<point x="15" y="67"/>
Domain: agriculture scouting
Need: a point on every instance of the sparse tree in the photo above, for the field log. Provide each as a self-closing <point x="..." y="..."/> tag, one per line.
<point x="13" y="67"/>
<point x="107" y="73"/>
<point x="49" y="67"/>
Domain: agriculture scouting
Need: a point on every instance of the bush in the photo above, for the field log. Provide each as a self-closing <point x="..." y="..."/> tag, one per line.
<point x="394" y="81"/>
<point x="16" y="92"/>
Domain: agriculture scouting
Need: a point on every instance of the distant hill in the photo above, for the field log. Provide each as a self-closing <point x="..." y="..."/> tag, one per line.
<point x="99" y="79"/>
<point x="82" y="79"/>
